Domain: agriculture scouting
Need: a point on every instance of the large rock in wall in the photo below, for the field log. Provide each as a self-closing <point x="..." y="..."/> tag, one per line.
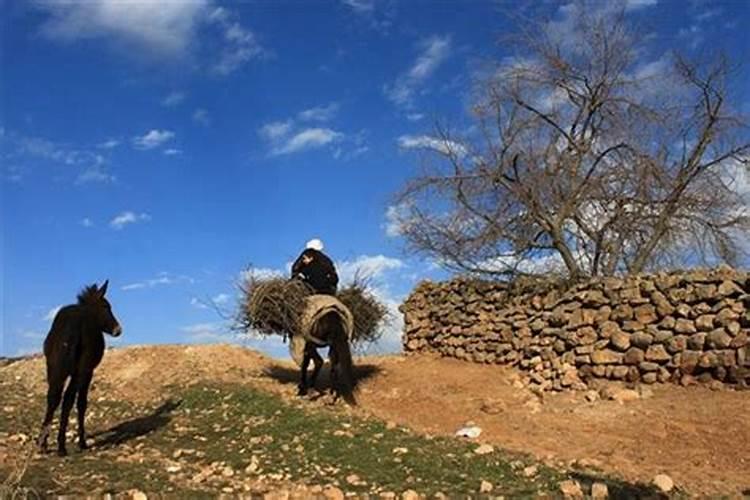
<point x="681" y="327"/>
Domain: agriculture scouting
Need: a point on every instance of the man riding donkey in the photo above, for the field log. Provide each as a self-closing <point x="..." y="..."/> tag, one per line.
<point x="325" y="322"/>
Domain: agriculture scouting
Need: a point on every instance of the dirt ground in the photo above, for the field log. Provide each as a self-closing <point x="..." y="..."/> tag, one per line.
<point x="698" y="436"/>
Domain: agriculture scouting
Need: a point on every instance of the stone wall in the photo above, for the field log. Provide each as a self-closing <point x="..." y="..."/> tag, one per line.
<point x="684" y="327"/>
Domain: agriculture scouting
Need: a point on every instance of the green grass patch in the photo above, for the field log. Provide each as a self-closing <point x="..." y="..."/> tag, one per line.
<point x="209" y="438"/>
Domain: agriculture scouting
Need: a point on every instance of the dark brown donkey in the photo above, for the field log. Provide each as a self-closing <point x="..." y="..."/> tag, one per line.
<point x="73" y="348"/>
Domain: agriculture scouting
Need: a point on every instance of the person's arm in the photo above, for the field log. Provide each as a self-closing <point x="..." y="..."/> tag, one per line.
<point x="331" y="275"/>
<point x="297" y="266"/>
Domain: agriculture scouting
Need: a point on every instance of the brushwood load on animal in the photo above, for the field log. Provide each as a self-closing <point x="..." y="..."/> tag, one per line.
<point x="276" y="305"/>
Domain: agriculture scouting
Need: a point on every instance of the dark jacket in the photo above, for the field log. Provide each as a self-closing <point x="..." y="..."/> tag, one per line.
<point x="317" y="270"/>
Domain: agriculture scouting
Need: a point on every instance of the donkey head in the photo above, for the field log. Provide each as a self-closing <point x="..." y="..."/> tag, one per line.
<point x="93" y="299"/>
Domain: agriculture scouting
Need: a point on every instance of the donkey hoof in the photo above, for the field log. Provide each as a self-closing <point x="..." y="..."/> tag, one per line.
<point x="82" y="445"/>
<point x="62" y="452"/>
<point x="302" y="391"/>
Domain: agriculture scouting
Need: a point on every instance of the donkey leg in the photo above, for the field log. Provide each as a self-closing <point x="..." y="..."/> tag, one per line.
<point x="82" y="404"/>
<point x="67" y="405"/>
<point x="333" y="358"/>
<point x="54" y="395"/>
<point x="317" y="365"/>
<point x="303" y="373"/>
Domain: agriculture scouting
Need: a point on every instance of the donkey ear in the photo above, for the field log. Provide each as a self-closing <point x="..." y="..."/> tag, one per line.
<point x="103" y="289"/>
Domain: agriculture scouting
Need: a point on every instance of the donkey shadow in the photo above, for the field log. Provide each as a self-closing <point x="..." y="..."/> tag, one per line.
<point x="137" y="427"/>
<point x="291" y="376"/>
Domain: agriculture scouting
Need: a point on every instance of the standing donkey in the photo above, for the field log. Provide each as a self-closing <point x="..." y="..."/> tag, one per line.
<point x="73" y="348"/>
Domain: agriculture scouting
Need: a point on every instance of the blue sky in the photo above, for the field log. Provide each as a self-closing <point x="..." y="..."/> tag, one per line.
<point x="167" y="146"/>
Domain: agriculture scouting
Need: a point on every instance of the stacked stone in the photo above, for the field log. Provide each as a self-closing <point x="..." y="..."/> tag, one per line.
<point x="669" y="327"/>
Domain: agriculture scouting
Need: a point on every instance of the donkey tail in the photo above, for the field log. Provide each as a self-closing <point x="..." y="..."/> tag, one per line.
<point x="344" y="366"/>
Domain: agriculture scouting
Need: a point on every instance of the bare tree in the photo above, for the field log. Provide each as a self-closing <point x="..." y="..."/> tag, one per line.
<point x="584" y="158"/>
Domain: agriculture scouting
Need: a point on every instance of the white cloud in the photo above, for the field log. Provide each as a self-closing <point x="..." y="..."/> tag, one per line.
<point x="172" y="151"/>
<point x="33" y="334"/>
<point x="221" y="298"/>
<point x="262" y="273"/>
<point x="240" y="46"/>
<point x="371" y="267"/>
<point x="414" y="117"/>
<point x="310" y="138"/>
<point x="360" y="6"/>
<point x="89" y="165"/>
<point x="377" y="14"/>
<point x="162" y="279"/>
<point x="200" y="116"/>
<point x="276" y="130"/>
<point x="108" y="144"/>
<point x="397" y="219"/>
<point x="443" y="146"/>
<point x="639" y="4"/>
<point x="319" y="113"/>
<point x="174" y="98"/>
<point x="161" y="28"/>
<point x="52" y="313"/>
<point x="434" y="51"/>
<point x="149" y="29"/>
<point x="197" y="303"/>
<point x="96" y="173"/>
<point x="125" y="218"/>
<point x="206" y="333"/>
<point x="153" y="139"/>
<point x="292" y="136"/>
<point x="86" y="222"/>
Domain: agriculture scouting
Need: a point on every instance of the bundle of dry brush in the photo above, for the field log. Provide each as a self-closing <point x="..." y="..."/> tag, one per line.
<point x="273" y="306"/>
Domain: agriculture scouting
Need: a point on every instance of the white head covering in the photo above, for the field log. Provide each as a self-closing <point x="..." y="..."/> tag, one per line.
<point x="315" y="244"/>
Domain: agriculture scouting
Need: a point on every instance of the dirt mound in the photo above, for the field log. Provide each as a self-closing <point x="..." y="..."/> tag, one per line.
<point x="697" y="436"/>
<point x="140" y="373"/>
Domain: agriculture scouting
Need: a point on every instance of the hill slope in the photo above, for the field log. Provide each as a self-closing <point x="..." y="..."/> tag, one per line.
<point x="191" y="418"/>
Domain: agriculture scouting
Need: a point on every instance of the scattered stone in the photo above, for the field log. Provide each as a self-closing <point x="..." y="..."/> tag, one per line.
<point x="571" y="489"/>
<point x="591" y="396"/>
<point x="409" y="495"/>
<point x="353" y="479"/>
<point x="530" y="471"/>
<point x="663" y="482"/>
<point x="625" y="395"/>
<point x="253" y="466"/>
<point x="137" y="495"/>
<point x="333" y="493"/>
<point x="485" y="487"/>
<point x="471" y="432"/>
<point x="484" y="449"/>
<point x="599" y="491"/>
<point x="492" y="407"/>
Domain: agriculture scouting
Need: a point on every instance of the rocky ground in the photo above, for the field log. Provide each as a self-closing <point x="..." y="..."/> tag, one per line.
<point x="202" y="420"/>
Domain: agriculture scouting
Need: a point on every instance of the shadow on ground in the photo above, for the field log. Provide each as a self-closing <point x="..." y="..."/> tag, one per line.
<point x="137" y="427"/>
<point x="286" y="375"/>
<point x="619" y="490"/>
